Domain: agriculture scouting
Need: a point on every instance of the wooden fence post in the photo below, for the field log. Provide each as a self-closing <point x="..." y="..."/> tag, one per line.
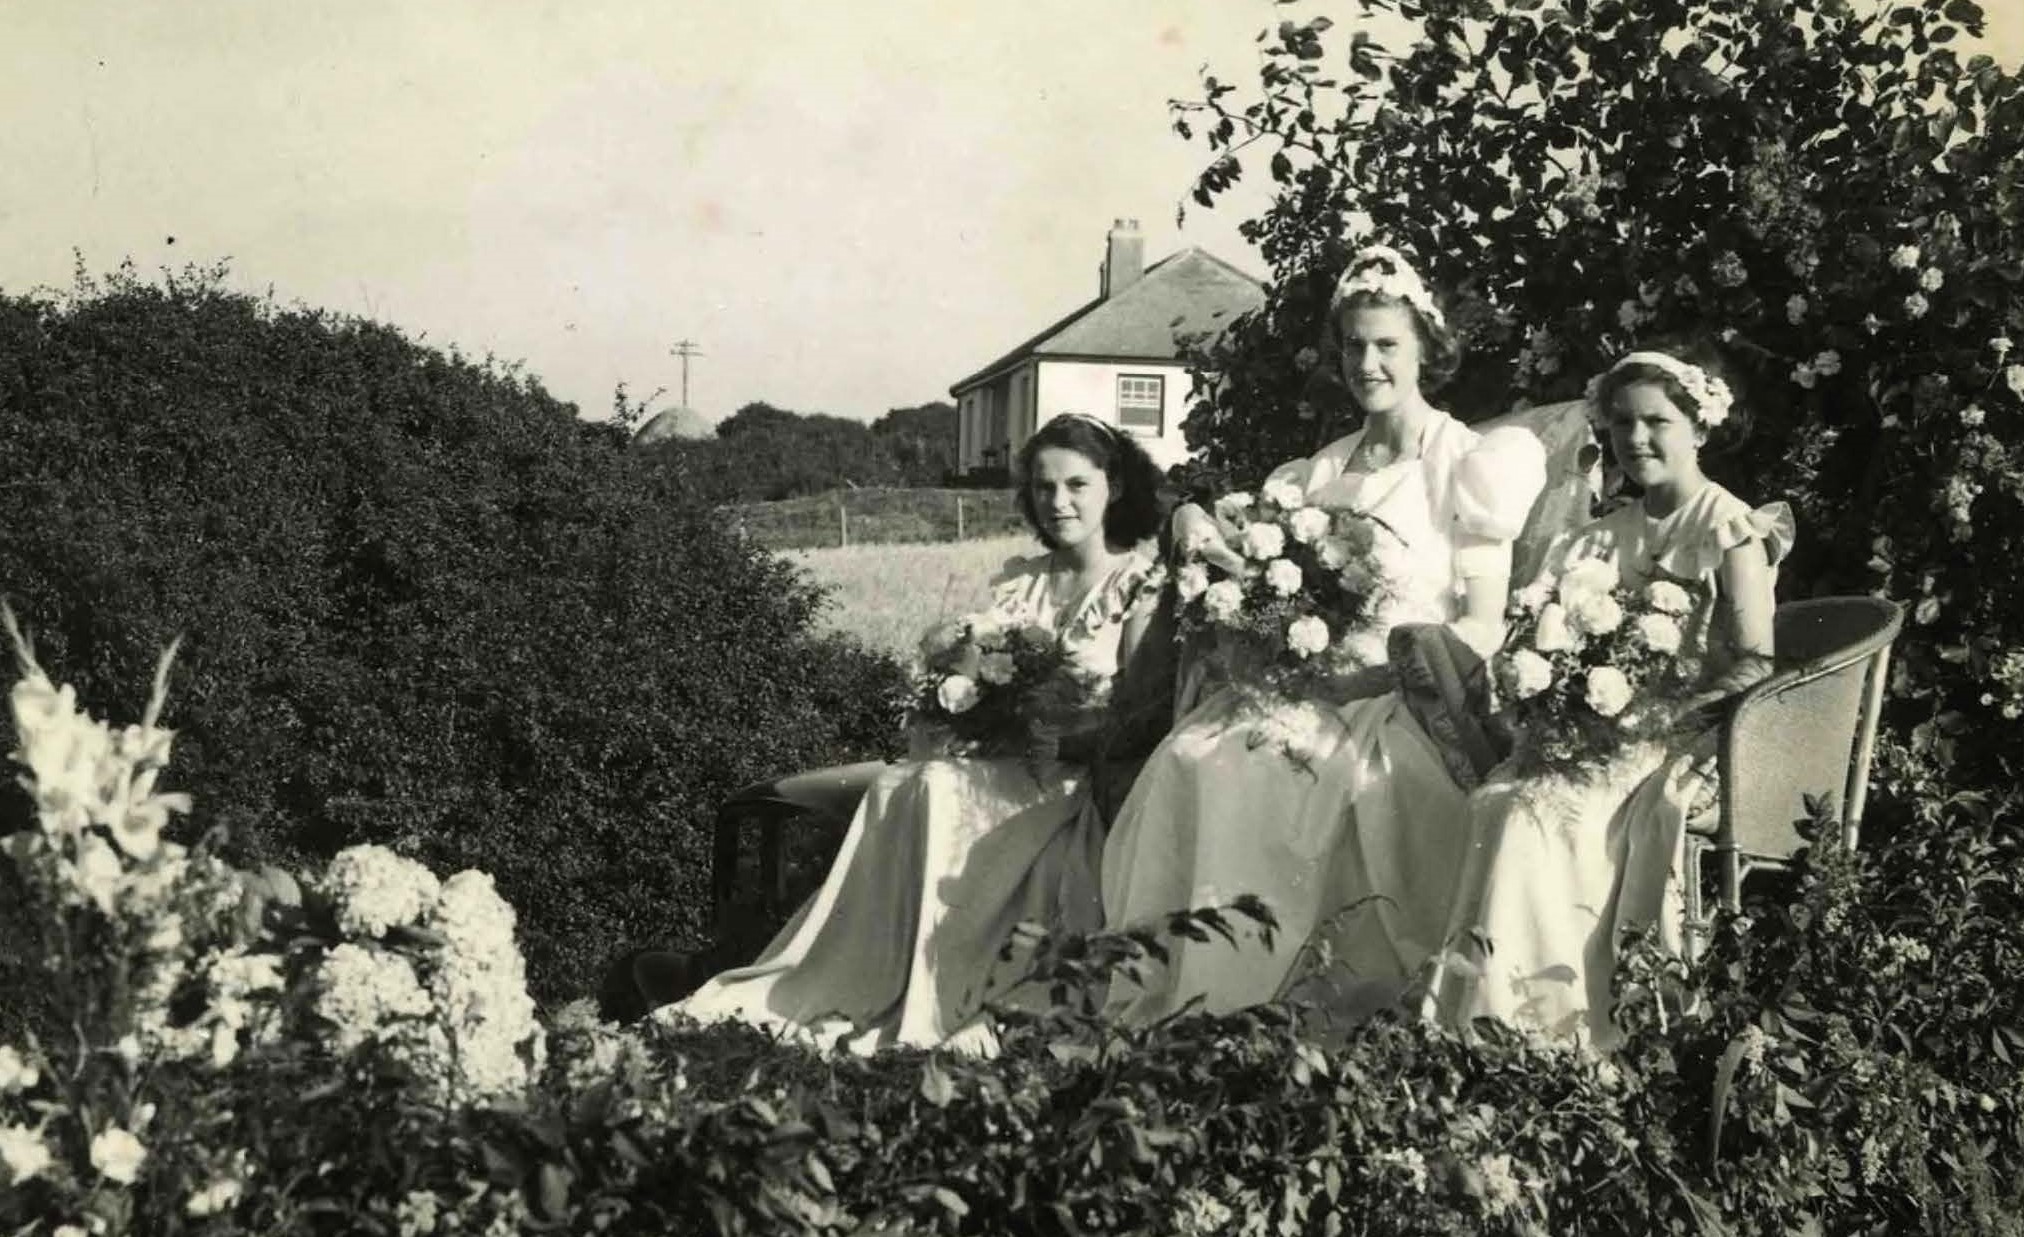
<point x="959" y="517"/>
<point x="842" y="522"/>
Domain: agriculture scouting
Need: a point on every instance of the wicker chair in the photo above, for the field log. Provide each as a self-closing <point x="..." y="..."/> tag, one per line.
<point x="1808" y="729"/>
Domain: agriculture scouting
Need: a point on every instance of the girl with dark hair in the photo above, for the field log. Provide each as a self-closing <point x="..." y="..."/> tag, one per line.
<point x="946" y="855"/>
<point x="1561" y="867"/>
<point x="1367" y="816"/>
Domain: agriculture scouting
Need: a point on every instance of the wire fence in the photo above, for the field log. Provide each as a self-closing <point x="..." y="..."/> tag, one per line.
<point x="879" y="517"/>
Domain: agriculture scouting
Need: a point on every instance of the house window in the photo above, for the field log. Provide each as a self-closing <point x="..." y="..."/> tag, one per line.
<point x="1142" y="402"/>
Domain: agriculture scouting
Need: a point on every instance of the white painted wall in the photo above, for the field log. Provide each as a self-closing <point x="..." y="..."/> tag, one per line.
<point x="1091" y="388"/>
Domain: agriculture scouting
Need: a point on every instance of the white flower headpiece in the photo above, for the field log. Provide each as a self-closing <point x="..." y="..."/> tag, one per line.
<point x="1383" y="271"/>
<point x="1709" y="395"/>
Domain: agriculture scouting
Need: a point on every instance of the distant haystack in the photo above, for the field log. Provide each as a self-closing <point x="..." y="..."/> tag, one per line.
<point x="675" y="423"/>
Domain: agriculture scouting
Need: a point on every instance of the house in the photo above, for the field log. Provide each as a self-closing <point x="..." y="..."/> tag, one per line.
<point x="1117" y="358"/>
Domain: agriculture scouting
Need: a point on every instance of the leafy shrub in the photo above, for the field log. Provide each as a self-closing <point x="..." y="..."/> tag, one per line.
<point x="1794" y="1082"/>
<point x="424" y="605"/>
<point x="764" y="454"/>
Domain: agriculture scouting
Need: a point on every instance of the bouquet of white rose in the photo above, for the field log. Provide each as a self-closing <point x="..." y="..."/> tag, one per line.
<point x="988" y="687"/>
<point x="1312" y="587"/>
<point x="1590" y="665"/>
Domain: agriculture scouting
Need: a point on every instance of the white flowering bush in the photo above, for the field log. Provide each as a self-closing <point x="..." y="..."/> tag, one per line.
<point x="425" y="973"/>
<point x="1301" y="614"/>
<point x="1825" y="192"/>
<point x="1591" y="664"/>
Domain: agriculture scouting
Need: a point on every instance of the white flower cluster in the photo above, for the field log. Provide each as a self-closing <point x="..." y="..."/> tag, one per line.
<point x="1408" y="1167"/>
<point x="1555" y="650"/>
<point x="1383" y="272"/>
<point x="1504" y="1188"/>
<point x="454" y="1010"/>
<point x="373" y="890"/>
<point x="1271" y="524"/>
<point x="975" y="653"/>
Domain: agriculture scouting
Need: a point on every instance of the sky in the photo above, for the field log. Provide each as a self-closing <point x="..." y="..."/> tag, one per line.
<point x="846" y="206"/>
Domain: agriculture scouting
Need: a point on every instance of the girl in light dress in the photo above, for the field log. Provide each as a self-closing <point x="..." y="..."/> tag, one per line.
<point x="946" y="855"/>
<point x="1560" y="868"/>
<point x="1371" y="819"/>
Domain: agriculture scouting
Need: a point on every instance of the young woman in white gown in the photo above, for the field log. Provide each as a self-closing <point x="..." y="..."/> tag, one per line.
<point x="946" y="855"/>
<point x="1374" y="818"/>
<point x="1561" y="867"/>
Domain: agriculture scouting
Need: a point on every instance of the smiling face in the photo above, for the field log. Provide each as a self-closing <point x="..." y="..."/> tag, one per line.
<point x="1069" y="494"/>
<point x="1381" y="356"/>
<point x="1655" y="443"/>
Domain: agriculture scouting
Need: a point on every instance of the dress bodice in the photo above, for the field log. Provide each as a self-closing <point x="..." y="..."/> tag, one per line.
<point x="1089" y="623"/>
<point x="1686" y="544"/>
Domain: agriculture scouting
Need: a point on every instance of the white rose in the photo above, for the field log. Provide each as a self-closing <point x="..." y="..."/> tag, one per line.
<point x="1795" y="309"/>
<point x="1916" y="305"/>
<point x="988" y="632"/>
<point x="1608" y="690"/>
<point x="1659" y="632"/>
<point x="1283" y="576"/>
<point x="1231" y="506"/>
<point x="1307" y="524"/>
<point x="957" y="693"/>
<point x="1528" y="673"/>
<point x="2013" y="377"/>
<point x="997" y="669"/>
<point x="1667" y="597"/>
<point x="1283" y="494"/>
<point x="118" y="1155"/>
<point x="1263" y="541"/>
<point x="1972" y="415"/>
<point x="1597" y="614"/>
<point x="1905" y="257"/>
<point x="1223" y="600"/>
<point x="1930" y="279"/>
<point x="1306" y="636"/>
<point x="1553" y="634"/>
<point x="1332" y="551"/>
<point x="214" y="1198"/>
<point x="1535" y="595"/>
<point x="23" y="1152"/>
<point x="16" y="1074"/>
<point x="1192" y="581"/>
<point x="1589" y="575"/>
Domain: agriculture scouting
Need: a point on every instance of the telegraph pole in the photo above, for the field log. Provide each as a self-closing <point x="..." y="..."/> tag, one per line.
<point x="685" y="348"/>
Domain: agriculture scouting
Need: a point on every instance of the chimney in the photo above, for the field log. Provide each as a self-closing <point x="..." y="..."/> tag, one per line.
<point x="1125" y="260"/>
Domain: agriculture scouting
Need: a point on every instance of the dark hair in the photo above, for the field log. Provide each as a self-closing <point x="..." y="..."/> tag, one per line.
<point x="1440" y="348"/>
<point x="1696" y="351"/>
<point x="1134" y="511"/>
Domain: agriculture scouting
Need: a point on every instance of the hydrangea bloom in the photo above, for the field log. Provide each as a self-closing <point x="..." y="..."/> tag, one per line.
<point x="373" y="890"/>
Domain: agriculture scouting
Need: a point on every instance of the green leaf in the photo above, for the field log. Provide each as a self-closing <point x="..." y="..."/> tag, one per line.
<point x="554" y="1199"/>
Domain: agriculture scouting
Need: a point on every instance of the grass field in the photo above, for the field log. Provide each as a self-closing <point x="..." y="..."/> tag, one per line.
<point x="887" y="595"/>
<point x="878" y="516"/>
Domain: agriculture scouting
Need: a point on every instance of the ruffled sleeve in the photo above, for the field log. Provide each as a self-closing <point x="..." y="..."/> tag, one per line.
<point x="1726" y="522"/>
<point x="1013" y="589"/>
<point x="1491" y="491"/>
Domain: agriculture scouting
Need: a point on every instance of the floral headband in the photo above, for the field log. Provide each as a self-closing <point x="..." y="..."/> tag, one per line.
<point x="1380" y="270"/>
<point x="1709" y="395"/>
